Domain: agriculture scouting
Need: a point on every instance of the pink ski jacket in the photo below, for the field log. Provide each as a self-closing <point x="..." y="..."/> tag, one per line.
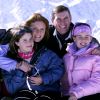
<point x="82" y="76"/>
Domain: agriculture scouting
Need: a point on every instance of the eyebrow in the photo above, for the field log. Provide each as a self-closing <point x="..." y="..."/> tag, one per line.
<point x="80" y="35"/>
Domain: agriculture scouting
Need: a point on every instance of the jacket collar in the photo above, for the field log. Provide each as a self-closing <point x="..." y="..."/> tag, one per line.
<point x="72" y="48"/>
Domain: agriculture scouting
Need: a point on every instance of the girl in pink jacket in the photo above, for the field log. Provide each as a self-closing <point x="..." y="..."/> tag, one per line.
<point x="82" y="70"/>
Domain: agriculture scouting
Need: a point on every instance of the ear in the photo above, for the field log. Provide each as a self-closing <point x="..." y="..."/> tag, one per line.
<point x="52" y="22"/>
<point x="17" y="44"/>
<point x="52" y="19"/>
<point x="74" y="38"/>
<point x="91" y="38"/>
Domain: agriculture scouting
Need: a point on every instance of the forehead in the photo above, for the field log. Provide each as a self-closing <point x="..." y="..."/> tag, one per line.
<point x="62" y="14"/>
<point x="26" y="35"/>
<point x="38" y="24"/>
<point x="83" y="34"/>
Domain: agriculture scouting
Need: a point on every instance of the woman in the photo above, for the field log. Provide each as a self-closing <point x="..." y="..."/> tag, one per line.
<point x="46" y="69"/>
<point x="82" y="68"/>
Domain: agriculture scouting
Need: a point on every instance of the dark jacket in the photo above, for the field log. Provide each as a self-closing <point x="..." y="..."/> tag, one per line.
<point x="2" y="34"/>
<point x="5" y="36"/>
<point x="59" y="43"/>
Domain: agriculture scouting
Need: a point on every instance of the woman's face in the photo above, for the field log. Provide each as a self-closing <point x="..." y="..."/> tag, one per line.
<point x="38" y="29"/>
<point x="82" y="40"/>
<point x="25" y="43"/>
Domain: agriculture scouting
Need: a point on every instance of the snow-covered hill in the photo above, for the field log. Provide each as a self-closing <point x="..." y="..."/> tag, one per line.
<point x="13" y="12"/>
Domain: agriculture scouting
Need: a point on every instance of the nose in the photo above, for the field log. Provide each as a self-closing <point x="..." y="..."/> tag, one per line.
<point x="62" y="22"/>
<point x="29" y="42"/>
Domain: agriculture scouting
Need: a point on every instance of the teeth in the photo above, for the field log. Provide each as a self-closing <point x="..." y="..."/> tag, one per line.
<point x="62" y="26"/>
<point x="38" y="36"/>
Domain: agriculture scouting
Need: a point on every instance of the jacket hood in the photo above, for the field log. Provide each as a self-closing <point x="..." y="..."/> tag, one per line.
<point x="72" y="48"/>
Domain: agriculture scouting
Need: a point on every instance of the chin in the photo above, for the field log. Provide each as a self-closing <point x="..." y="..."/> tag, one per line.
<point x="29" y="50"/>
<point x="63" y="33"/>
<point x="38" y="40"/>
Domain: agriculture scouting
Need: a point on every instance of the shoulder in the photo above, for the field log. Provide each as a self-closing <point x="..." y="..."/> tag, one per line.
<point x="51" y="29"/>
<point x="2" y="33"/>
<point x="96" y="57"/>
<point x="50" y="54"/>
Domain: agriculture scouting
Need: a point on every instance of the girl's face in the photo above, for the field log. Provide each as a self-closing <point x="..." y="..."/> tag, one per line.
<point x="38" y="29"/>
<point x="25" y="43"/>
<point x="82" y="40"/>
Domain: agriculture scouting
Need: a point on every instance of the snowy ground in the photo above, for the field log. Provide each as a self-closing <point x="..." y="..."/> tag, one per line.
<point x="13" y="12"/>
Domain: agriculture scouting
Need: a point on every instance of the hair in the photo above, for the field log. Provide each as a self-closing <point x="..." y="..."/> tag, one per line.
<point x="38" y="17"/>
<point x="18" y="32"/>
<point x="59" y="9"/>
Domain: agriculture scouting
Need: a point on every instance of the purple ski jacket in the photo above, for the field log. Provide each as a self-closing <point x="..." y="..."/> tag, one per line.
<point x="82" y="71"/>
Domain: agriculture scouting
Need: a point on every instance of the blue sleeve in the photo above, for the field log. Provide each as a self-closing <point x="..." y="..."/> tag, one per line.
<point x="3" y="49"/>
<point x="55" y="70"/>
<point x="14" y="80"/>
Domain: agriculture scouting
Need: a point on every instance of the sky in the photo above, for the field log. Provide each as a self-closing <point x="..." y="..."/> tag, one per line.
<point x="14" y="12"/>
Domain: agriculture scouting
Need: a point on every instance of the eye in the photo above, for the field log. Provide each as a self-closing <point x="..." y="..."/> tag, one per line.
<point x="34" y="29"/>
<point x="31" y="39"/>
<point x="66" y="18"/>
<point x="79" y="37"/>
<point x="58" y="20"/>
<point x="42" y="30"/>
<point x="24" y="40"/>
<point x="87" y="37"/>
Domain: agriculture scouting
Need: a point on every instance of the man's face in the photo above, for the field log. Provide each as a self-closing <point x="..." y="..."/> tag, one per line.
<point x="62" y="22"/>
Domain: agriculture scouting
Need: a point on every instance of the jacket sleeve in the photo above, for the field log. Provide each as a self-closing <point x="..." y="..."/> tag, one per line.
<point x="6" y="63"/>
<point x="90" y="86"/>
<point x="14" y="80"/>
<point x="64" y="84"/>
<point x="3" y="49"/>
<point x="55" y="70"/>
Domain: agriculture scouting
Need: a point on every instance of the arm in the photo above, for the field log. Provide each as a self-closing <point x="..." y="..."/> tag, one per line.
<point x="50" y="70"/>
<point x="16" y="79"/>
<point x="3" y="50"/>
<point x="55" y="70"/>
<point x="6" y="63"/>
<point x="96" y="51"/>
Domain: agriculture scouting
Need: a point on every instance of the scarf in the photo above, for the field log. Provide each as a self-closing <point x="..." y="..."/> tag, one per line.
<point x="26" y="55"/>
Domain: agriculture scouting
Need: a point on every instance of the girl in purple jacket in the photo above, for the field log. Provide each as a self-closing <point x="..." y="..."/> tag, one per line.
<point x="82" y="75"/>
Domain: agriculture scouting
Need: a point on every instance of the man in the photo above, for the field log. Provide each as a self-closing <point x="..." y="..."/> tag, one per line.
<point x="60" y="30"/>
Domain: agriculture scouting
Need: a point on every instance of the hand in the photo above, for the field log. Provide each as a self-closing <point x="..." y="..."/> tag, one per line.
<point x="36" y="80"/>
<point x="96" y="51"/>
<point x="72" y="97"/>
<point x="24" y="66"/>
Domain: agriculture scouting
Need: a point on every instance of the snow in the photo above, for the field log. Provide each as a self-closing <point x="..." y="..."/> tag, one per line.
<point x="14" y="12"/>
